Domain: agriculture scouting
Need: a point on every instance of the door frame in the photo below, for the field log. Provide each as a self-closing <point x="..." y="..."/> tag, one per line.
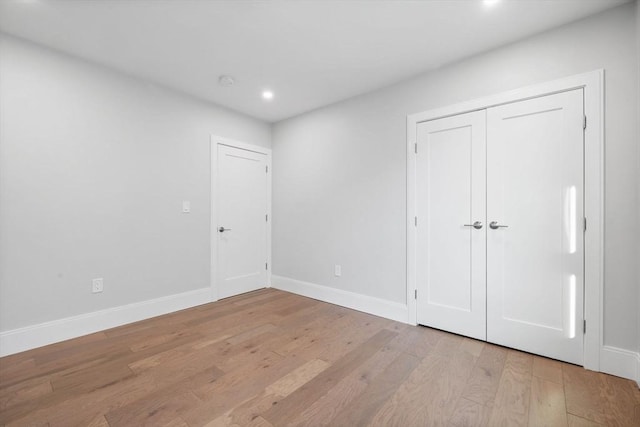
<point x="215" y="142"/>
<point x="593" y="85"/>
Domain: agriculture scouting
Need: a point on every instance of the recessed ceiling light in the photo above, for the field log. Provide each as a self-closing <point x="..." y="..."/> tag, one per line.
<point x="267" y="95"/>
<point x="490" y="3"/>
<point x="226" y="81"/>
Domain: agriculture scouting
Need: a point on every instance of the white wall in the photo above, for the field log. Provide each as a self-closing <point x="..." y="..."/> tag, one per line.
<point x="339" y="172"/>
<point x="94" y="166"/>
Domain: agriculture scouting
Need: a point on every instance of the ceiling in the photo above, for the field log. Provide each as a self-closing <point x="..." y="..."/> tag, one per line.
<point x="309" y="53"/>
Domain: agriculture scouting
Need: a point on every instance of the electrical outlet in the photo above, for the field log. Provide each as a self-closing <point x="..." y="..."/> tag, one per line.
<point x="186" y="206"/>
<point x="97" y="285"/>
<point x="337" y="270"/>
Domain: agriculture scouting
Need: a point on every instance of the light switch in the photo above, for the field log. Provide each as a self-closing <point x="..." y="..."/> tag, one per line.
<point x="186" y="206"/>
<point x="97" y="285"/>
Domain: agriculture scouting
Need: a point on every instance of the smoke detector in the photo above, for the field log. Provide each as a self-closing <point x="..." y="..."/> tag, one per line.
<point x="226" y="81"/>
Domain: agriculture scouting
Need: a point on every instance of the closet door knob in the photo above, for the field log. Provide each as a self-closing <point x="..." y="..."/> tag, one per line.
<point x="477" y="225"/>
<point x="494" y="225"/>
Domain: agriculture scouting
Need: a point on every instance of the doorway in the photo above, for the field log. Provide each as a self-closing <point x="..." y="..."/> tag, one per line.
<point x="500" y="253"/>
<point x="468" y="270"/>
<point x="240" y="221"/>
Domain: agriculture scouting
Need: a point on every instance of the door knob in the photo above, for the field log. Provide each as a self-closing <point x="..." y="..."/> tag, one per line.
<point x="222" y="229"/>
<point x="494" y="225"/>
<point x="477" y="225"/>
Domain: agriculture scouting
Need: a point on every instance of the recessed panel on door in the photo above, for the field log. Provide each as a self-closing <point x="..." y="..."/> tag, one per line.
<point x="535" y="233"/>
<point x="450" y="252"/>
<point x="242" y="227"/>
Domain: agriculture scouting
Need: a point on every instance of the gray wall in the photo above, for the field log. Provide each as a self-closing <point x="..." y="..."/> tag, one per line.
<point x="94" y="166"/>
<point x="638" y="143"/>
<point x="339" y="172"/>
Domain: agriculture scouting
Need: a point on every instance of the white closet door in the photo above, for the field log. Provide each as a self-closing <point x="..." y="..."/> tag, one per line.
<point x="450" y="252"/>
<point x="535" y="197"/>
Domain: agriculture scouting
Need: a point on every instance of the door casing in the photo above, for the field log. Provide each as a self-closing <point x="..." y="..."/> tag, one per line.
<point x="593" y="85"/>
<point x="215" y="141"/>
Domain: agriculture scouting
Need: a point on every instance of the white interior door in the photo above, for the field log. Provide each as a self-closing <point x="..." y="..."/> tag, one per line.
<point x="450" y="251"/>
<point x="242" y="223"/>
<point x="535" y="197"/>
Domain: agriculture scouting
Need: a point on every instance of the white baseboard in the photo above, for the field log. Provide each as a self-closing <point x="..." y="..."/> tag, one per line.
<point x="17" y="340"/>
<point x="365" y="303"/>
<point x="620" y="362"/>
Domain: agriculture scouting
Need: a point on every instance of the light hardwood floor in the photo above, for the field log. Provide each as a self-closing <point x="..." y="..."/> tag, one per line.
<point x="270" y="358"/>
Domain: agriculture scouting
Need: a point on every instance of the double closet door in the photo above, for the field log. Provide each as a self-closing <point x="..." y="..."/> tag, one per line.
<point x="500" y="232"/>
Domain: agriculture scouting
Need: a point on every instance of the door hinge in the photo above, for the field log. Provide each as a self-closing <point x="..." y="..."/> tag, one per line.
<point x="415" y="293"/>
<point x="266" y="266"/>
<point x="415" y="148"/>
<point x="584" y="122"/>
<point x="415" y="220"/>
<point x="584" y="326"/>
<point x="585" y="223"/>
<point x="266" y="217"/>
<point x="266" y="169"/>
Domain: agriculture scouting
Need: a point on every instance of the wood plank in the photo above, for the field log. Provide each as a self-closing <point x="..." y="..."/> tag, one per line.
<point x="447" y="345"/>
<point x="172" y="395"/>
<point x="547" y="407"/>
<point x="309" y="318"/>
<point x="470" y="414"/>
<point x="512" y="401"/>
<point x="321" y="411"/>
<point x="13" y="368"/>
<point x="317" y="387"/>
<point x="295" y="307"/>
<point x="249" y="411"/>
<point x="313" y="335"/>
<point x="99" y="421"/>
<point x="93" y="376"/>
<point x="156" y="339"/>
<point x="142" y="364"/>
<point x="248" y="353"/>
<point x="176" y="422"/>
<point x="430" y="393"/>
<point x="485" y="376"/>
<point x="252" y="333"/>
<point x="547" y="369"/>
<point x="80" y="409"/>
<point x="239" y="386"/>
<point x="575" y="421"/>
<point x="62" y="366"/>
<point x="407" y="406"/>
<point x="622" y="404"/>
<point x="418" y="341"/>
<point x="65" y="387"/>
<point x="88" y="380"/>
<point x="361" y="410"/>
<point x="295" y="379"/>
<point x="582" y="393"/>
<point x="24" y="392"/>
<point x="256" y="297"/>
<point x="340" y="396"/>
<point x="358" y="330"/>
<point x="154" y="410"/>
<point x="472" y="346"/>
